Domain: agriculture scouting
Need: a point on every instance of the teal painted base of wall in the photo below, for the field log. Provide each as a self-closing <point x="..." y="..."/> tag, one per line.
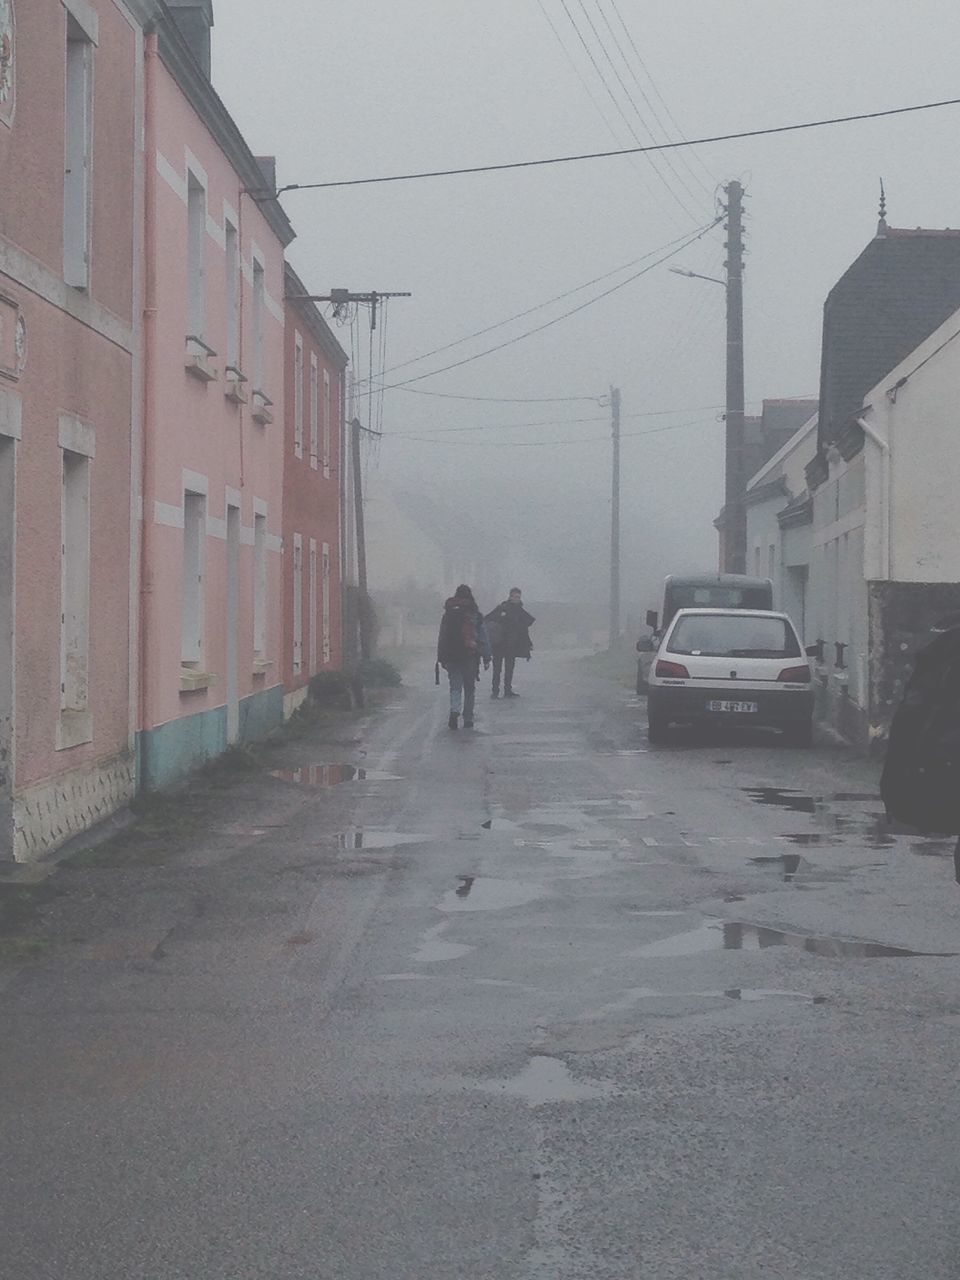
<point x="169" y="753"/>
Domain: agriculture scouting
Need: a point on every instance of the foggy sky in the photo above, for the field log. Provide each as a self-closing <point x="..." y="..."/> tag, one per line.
<point x="388" y="86"/>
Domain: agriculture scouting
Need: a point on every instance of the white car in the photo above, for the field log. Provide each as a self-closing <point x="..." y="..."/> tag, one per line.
<point x="731" y="666"/>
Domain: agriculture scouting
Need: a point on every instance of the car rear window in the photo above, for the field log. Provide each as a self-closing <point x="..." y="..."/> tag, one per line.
<point x="720" y="597"/>
<point x="736" y="637"/>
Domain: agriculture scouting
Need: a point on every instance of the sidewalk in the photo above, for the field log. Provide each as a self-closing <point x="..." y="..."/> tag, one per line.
<point x="120" y="898"/>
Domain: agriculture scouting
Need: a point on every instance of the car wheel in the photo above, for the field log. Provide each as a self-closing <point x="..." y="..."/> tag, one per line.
<point x="657" y="727"/>
<point x="800" y="735"/>
<point x="641" y="683"/>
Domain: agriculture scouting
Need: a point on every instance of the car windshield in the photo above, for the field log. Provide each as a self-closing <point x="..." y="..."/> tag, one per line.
<point x="734" y="637"/>
<point x="719" y="597"/>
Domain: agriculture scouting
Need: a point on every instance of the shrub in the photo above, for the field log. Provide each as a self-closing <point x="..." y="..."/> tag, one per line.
<point x="378" y="673"/>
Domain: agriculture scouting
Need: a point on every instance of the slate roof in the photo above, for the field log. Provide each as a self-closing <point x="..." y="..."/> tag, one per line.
<point x="903" y="285"/>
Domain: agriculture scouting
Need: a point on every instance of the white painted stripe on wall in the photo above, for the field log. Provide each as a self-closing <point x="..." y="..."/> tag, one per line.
<point x="195" y="482"/>
<point x="164" y="513"/>
<point x="274" y="307"/>
<point x="259" y="507"/>
<point x="175" y="181"/>
<point x="232" y="497"/>
<point x="246" y="536"/>
<point x="196" y="168"/>
<point x="40" y="280"/>
<point x="216" y="528"/>
<point x="274" y="543"/>
<point x="76" y="436"/>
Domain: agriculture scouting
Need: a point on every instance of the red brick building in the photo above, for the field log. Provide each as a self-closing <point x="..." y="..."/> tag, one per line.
<point x="313" y="475"/>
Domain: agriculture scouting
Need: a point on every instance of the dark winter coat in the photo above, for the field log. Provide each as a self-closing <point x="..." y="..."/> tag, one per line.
<point x="462" y="633"/>
<point x="921" y="775"/>
<point x="509" y="625"/>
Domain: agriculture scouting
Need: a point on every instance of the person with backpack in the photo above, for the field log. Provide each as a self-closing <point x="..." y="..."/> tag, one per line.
<point x="509" y="626"/>
<point x="920" y="785"/>
<point x="461" y="646"/>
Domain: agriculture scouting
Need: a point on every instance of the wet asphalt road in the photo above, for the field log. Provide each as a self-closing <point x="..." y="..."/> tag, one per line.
<point x="528" y="1002"/>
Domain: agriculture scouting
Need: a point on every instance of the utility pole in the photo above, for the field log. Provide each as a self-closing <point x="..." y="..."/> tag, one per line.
<point x="615" y="520"/>
<point x="734" y="554"/>
<point x="364" y="619"/>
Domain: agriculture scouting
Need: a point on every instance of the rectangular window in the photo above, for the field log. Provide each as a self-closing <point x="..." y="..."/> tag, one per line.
<point x="313" y="606"/>
<point x="260" y="586"/>
<point x="325" y="604"/>
<point x="78" y="147"/>
<point x="298" y="396"/>
<point x="196" y="247"/>
<point x="74" y="582"/>
<point x="232" y="272"/>
<point x="297" y="603"/>
<point x="194" y="539"/>
<point x="327" y="425"/>
<point x="259" y="303"/>
<point x="314" y="410"/>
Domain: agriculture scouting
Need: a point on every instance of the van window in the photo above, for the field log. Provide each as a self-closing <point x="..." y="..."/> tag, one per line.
<point x="726" y="637"/>
<point x="719" y="597"/>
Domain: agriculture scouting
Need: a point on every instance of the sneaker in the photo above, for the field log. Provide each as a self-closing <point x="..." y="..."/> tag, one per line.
<point x="495" y="694"/>
<point x="468" y="724"/>
<point x="452" y="722"/>
<point x="508" y="693"/>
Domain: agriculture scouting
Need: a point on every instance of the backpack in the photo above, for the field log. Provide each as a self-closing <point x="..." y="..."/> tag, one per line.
<point x="458" y="635"/>
<point x="920" y="785"/>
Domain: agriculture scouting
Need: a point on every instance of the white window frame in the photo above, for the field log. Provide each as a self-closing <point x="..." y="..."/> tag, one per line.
<point x="297" y="603"/>
<point x="327" y="432"/>
<point x="257" y="319"/>
<point x="78" y="155"/>
<point x="298" y="395"/>
<point x="231" y="245"/>
<point x="313" y="606"/>
<point x="260" y="585"/>
<point x="194" y="574"/>
<point x="314" y="410"/>
<point x="75" y="524"/>
<point x="196" y="256"/>
<point x="326" y="648"/>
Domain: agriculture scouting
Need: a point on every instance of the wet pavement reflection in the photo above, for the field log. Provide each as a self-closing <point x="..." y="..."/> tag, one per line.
<point x="722" y="935"/>
<point x="331" y="775"/>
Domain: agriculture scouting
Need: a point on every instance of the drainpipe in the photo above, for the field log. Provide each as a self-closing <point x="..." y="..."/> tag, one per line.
<point x="885" y="513"/>
<point x="151" y="57"/>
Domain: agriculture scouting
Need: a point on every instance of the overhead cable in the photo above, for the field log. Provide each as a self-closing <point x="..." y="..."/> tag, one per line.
<point x="605" y="155"/>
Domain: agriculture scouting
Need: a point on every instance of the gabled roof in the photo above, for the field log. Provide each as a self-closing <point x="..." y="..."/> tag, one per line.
<point x="901" y="287"/>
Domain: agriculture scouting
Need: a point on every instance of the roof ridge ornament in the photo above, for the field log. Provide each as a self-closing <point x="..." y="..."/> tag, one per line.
<point x="882" y="223"/>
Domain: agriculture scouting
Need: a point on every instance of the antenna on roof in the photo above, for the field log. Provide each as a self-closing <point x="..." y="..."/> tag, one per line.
<point x="882" y="224"/>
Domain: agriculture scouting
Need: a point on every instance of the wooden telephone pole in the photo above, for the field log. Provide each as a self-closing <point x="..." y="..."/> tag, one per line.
<point x="615" y="520"/>
<point x="734" y="559"/>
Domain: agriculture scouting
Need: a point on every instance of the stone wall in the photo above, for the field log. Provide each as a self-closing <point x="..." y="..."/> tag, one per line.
<point x="47" y="815"/>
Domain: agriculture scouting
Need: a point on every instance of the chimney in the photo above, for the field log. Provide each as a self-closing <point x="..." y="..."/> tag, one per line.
<point x="194" y="19"/>
<point x="268" y="167"/>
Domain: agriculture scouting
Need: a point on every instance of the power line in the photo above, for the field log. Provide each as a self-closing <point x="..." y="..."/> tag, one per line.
<point x="557" y="422"/>
<point x="450" y="395"/>
<point x="695" y="177"/>
<point x="552" y="444"/>
<point x="653" y="85"/>
<point x="605" y="155"/>
<point x="667" y="159"/>
<point x="615" y="100"/>
<point x="677" y="248"/>
<point x="520" y="315"/>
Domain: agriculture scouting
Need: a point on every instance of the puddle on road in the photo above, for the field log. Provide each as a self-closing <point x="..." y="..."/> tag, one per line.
<point x="545" y="1080"/>
<point x="782" y="798"/>
<point x="332" y="775"/>
<point x="721" y="935"/>
<point x="433" y="948"/>
<point x="365" y="838"/>
<point x="466" y="884"/>
<point x="746" y="994"/>
<point x="488" y="894"/>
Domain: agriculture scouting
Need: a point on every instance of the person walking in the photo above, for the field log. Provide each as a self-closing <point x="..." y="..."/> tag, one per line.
<point x="509" y="627"/>
<point x="920" y="785"/>
<point x="461" y="646"/>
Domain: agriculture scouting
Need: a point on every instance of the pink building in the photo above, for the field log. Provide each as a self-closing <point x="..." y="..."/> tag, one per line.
<point x="70" y="412"/>
<point x="312" y="493"/>
<point x="212" y="481"/>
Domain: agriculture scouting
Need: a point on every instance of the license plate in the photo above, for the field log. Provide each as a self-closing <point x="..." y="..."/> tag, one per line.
<point x="742" y="707"/>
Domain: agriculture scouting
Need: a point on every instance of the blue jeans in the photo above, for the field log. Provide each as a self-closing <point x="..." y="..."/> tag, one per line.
<point x="463" y="686"/>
